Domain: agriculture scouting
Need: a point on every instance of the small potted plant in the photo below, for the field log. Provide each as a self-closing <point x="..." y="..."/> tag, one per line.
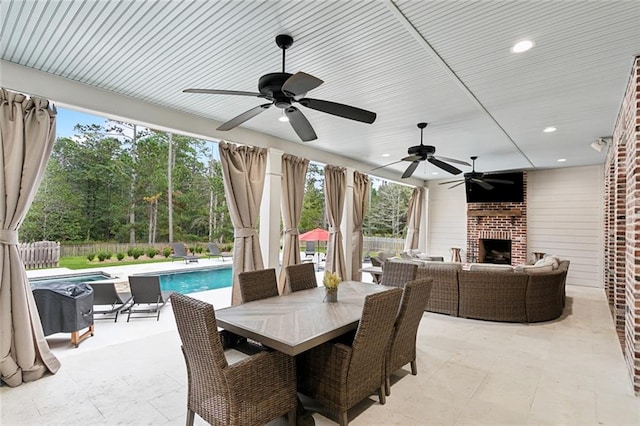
<point x="331" y="282"/>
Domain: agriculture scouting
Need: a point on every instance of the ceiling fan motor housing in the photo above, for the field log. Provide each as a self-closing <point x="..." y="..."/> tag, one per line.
<point x="422" y="150"/>
<point x="270" y="85"/>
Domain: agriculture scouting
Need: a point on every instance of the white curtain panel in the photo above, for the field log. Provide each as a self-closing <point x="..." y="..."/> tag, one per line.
<point x="27" y="134"/>
<point x="360" y="200"/>
<point x="294" y="172"/>
<point x="243" y="170"/>
<point x="335" y="184"/>
<point x="414" y="215"/>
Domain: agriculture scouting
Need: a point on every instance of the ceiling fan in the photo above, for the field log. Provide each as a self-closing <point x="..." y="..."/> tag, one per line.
<point x="422" y="152"/>
<point x="282" y="90"/>
<point x="482" y="179"/>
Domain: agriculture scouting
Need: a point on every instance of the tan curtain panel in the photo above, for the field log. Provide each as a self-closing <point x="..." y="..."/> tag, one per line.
<point x="335" y="183"/>
<point x="27" y="134"/>
<point x="243" y="170"/>
<point x="294" y="172"/>
<point x="414" y="214"/>
<point x="360" y="201"/>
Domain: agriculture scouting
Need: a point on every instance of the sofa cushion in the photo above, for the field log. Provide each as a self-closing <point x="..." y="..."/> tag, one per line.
<point x="490" y="267"/>
<point x="533" y="269"/>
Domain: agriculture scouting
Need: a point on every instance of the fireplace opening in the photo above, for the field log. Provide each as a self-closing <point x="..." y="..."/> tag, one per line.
<point x="494" y="251"/>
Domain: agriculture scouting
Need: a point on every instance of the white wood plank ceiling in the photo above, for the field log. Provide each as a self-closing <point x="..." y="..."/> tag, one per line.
<point x="446" y="63"/>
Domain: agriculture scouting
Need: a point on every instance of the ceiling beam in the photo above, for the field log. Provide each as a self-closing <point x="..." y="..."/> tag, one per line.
<point x="402" y="19"/>
<point x="93" y="100"/>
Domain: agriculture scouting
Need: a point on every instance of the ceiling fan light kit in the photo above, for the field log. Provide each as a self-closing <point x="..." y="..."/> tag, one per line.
<point x="282" y="90"/>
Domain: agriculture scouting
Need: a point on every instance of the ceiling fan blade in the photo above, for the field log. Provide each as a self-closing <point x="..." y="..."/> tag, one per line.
<point x="236" y="121"/>
<point x="483" y="184"/>
<point x="507" y="182"/>
<point x="457" y="184"/>
<point x="444" y="166"/>
<point x="300" y="83"/>
<point x="341" y="110"/>
<point x="412" y="158"/>
<point x="223" y="92"/>
<point x="300" y="124"/>
<point x="412" y="168"/>
<point x="451" y="181"/>
<point x="452" y="160"/>
<point x="386" y="165"/>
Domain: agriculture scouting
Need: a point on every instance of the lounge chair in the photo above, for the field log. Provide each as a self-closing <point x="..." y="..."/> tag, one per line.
<point x="105" y="294"/>
<point x="309" y="252"/>
<point x="179" y="252"/>
<point x="145" y="290"/>
<point x="214" y="251"/>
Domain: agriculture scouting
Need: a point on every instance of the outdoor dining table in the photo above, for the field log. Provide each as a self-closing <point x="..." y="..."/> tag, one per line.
<point x="298" y="321"/>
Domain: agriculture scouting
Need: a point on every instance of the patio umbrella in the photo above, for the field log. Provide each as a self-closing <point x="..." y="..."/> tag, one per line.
<point x="317" y="235"/>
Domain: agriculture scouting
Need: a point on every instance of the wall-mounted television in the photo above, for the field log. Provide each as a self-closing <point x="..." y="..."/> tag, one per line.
<point x="501" y="192"/>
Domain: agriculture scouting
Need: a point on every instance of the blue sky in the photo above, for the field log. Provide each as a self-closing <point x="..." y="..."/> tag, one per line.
<point x="67" y="119"/>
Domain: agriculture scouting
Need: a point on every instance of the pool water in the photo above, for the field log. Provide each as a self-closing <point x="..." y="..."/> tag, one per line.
<point x="193" y="281"/>
<point x="71" y="278"/>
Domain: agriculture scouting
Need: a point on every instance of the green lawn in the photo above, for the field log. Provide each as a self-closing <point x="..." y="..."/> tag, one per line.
<point x="81" y="262"/>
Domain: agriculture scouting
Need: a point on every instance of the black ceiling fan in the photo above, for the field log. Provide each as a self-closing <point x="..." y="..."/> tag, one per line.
<point x="423" y="152"/>
<point x="282" y="90"/>
<point x="482" y="179"/>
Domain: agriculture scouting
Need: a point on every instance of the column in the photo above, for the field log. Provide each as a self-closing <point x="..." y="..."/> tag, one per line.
<point x="270" y="210"/>
<point x="347" y="222"/>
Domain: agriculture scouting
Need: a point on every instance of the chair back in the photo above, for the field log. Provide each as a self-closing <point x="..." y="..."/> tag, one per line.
<point x="376" y="261"/>
<point x="403" y="341"/>
<point x="214" y="250"/>
<point x="256" y="285"/>
<point x="371" y="341"/>
<point x="397" y="274"/>
<point x="301" y="277"/>
<point x="145" y="288"/>
<point x="311" y="248"/>
<point x="178" y="249"/>
<point x="203" y="353"/>
<point x="105" y="294"/>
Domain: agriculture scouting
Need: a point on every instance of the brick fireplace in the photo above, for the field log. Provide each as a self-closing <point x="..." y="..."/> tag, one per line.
<point x="503" y="225"/>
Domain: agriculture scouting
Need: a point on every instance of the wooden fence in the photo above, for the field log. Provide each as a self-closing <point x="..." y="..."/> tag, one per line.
<point x="40" y="254"/>
<point x="378" y="244"/>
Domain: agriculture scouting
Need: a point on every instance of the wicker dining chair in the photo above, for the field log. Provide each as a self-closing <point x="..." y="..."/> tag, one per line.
<point x="402" y="348"/>
<point x="397" y="274"/>
<point x="300" y="277"/>
<point x="256" y="285"/>
<point x="340" y="376"/>
<point x="253" y="391"/>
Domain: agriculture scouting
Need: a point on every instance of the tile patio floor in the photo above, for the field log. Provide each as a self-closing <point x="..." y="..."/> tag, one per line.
<point x="570" y="371"/>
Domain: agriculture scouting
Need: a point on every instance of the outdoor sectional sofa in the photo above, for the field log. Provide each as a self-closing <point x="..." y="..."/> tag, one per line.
<point x="501" y="294"/>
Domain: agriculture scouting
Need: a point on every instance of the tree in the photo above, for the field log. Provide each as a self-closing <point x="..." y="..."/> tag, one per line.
<point x="313" y="211"/>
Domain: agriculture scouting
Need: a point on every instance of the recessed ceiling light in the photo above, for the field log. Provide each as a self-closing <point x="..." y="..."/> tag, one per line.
<point x="561" y="160"/>
<point x="386" y="155"/>
<point x="522" y="46"/>
<point x="549" y="129"/>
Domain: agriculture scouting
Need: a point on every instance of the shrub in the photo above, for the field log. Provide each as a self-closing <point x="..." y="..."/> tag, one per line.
<point x="193" y="249"/>
<point x="108" y="255"/>
<point x="199" y="249"/>
<point x="151" y="253"/>
<point x="130" y="252"/>
<point x="91" y="256"/>
<point x="102" y="256"/>
<point x="120" y="256"/>
<point x="166" y="252"/>
<point x="136" y="253"/>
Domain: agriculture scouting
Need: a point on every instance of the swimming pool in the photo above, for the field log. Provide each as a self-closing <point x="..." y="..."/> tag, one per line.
<point x="196" y="280"/>
<point x="76" y="278"/>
